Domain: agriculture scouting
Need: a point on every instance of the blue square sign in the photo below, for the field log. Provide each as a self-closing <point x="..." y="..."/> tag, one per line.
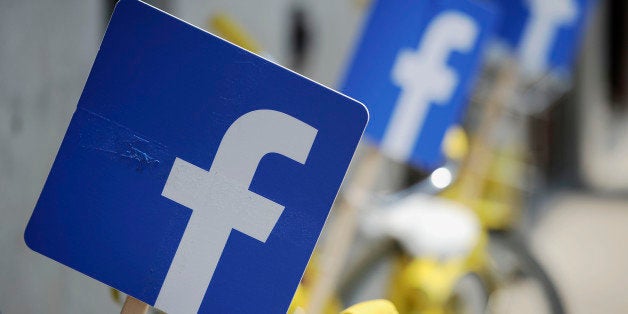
<point x="194" y="175"/>
<point x="414" y="67"/>
<point x="544" y="33"/>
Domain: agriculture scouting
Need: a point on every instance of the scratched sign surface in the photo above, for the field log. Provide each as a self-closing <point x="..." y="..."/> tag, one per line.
<point x="194" y="175"/>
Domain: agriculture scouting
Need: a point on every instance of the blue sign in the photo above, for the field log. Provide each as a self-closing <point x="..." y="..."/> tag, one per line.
<point x="544" y="33"/>
<point x="194" y="176"/>
<point x="414" y="67"/>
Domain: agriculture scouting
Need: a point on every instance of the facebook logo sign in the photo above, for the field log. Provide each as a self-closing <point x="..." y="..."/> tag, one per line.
<point x="414" y="67"/>
<point x="194" y="175"/>
<point x="545" y="33"/>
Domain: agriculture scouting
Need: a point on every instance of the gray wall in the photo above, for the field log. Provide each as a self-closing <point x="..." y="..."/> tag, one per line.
<point x="334" y="25"/>
<point x="46" y="50"/>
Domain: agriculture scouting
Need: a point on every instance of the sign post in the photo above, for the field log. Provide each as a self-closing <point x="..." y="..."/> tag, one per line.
<point x="133" y="306"/>
<point x="542" y="39"/>
<point x="415" y="90"/>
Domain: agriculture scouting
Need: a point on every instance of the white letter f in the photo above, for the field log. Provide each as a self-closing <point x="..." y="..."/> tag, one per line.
<point x="220" y="200"/>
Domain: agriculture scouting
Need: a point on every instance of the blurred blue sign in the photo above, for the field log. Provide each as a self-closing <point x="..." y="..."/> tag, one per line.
<point x="545" y="33"/>
<point x="414" y="67"/>
<point x="194" y="175"/>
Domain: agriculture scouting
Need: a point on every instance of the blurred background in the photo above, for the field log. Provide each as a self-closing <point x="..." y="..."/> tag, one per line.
<point x="541" y="228"/>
